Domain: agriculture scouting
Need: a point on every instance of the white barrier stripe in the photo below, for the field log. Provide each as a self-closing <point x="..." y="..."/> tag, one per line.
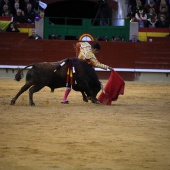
<point x="99" y="69"/>
<point x="12" y="66"/>
<point x="137" y="70"/>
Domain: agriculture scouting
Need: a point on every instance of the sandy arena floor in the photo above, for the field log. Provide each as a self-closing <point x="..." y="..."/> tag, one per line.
<point x="131" y="134"/>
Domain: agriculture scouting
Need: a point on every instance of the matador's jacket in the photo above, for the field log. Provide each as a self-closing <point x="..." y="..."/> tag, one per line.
<point x="84" y="52"/>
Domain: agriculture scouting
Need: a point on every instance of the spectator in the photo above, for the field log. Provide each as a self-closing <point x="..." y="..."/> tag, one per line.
<point x="151" y="18"/>
<point x="102" y="38"/>
<point x="41" y="14"/>
<point x="130" y="16"/>
<point x="5" y="2"/>
<point x="34" y="35"/>
<point x="134" y="39"/>
<point x="12" y="28"/>
<point x="29" y="13"/>
<point x="19" y="2"/>
<point x="16" y="8"/>
<point x="32" y="2"/>
<point x="163" y="3"/>
<point x="151" y="5"/>
<point x="19" y="17"/>
<point x="24" y="4"/>
<point x="4" y="10"/>
<point x="135" y="7"/>
<point x="151" y="13"/>
<point x="162" y="22"/>
<point x="164" y="10"/>
<point x="141" y="17"/>
<point x="116" y="39"/>
<point x="7" y="14"/>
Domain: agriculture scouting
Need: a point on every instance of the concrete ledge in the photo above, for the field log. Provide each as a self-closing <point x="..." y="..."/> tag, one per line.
<point x="98" y="69"/>
<point x="139" y="74"/>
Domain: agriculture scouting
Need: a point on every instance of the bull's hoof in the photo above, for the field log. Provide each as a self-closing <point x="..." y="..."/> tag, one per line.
<point x="12" y="102"/>
<point x="52" y="90"/>
<point x="88" y="97"/>
<point x="96" y="101"/>
<point x="32" y="103"/>
<point x="85" y="99"/>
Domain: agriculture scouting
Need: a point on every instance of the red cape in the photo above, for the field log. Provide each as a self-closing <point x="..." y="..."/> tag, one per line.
<point x="113" y="88"/>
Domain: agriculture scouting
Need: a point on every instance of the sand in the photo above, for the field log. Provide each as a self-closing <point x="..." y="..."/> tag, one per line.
<point x="131" y="134"/>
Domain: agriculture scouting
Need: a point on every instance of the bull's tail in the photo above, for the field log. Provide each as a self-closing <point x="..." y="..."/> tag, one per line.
<point x="19" y="75"/>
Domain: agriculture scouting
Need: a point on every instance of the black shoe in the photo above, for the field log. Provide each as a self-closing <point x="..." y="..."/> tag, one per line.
<point x="65" y="102"/>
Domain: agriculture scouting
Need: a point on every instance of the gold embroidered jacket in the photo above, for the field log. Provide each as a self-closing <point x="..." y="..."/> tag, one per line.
<point x="84" y="52"/>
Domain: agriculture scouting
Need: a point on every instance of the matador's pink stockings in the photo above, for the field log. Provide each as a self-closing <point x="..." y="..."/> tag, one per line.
<point x="67" y="91"/>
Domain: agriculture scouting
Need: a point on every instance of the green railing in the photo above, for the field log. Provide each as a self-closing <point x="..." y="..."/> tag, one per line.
<point x="73" y="28"/>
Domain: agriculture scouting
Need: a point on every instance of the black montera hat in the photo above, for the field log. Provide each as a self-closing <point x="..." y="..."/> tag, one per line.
<point x="96" y="46"/>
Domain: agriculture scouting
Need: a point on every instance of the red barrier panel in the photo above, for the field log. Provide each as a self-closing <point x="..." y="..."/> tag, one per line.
<point x="18" y="50"/>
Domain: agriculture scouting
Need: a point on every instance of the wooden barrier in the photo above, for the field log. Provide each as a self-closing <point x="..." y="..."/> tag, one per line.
<point x="158" y="39"/>
<point x="144" y="33"/>
<point x="16" y="49"/>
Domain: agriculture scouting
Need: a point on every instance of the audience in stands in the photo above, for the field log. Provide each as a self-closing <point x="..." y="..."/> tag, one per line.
<point x="117" y="38"/>
<point x="34" y="35"/>
<point x="102" y="38"/>
<point x="29" y="9"/>
<point x="148" y="13"/>
<point x="12" y="28"/>
<point x="153" y="10"/>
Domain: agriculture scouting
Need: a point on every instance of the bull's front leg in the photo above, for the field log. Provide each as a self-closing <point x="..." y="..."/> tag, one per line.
<point x="85" y="99"/>
<point x="91" y="96"/>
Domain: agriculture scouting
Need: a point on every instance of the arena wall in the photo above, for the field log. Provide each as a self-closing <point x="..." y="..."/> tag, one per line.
<point x="134" y="61"/>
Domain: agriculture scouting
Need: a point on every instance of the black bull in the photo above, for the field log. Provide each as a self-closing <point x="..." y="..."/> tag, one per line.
<point x="40" y="75"/>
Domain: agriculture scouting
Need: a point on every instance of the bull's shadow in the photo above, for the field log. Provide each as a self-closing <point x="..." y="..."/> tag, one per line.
<point x="71" y="72"/>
